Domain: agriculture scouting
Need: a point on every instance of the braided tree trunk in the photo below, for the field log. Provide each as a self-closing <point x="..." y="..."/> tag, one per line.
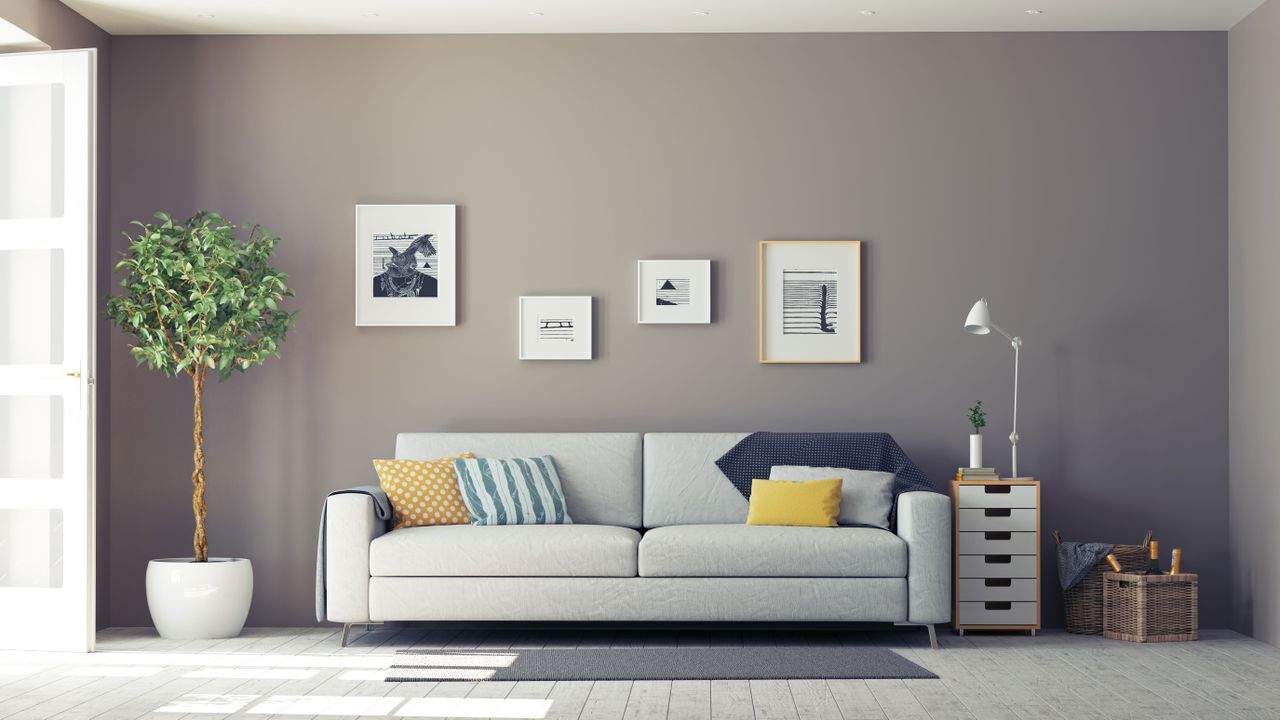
<point x="200" y="545"/>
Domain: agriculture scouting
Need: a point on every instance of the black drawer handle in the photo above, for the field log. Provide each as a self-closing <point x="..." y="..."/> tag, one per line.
<point x="999" y="605"/>
<point x="997" y="559"/>
<point x="999" y="582"/>
<point x="997" y="489"/>
<point x="998" y="512"/>
<point x="998" y="535"/>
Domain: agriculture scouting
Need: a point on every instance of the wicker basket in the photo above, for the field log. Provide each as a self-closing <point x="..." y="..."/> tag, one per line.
<point x="1083" y="602"/>
<point x="1151" y="608"/>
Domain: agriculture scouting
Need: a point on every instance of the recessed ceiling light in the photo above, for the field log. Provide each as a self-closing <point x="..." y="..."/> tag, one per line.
<point x="868" y="13"/>
<point x="370" y="15"/>
<point x="1033" y="12"/>
<point x="537" y="13"/>
<point x="701" y="13"/>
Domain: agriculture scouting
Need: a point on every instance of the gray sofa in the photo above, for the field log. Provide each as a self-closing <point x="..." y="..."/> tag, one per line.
<point x="658" y="535"/>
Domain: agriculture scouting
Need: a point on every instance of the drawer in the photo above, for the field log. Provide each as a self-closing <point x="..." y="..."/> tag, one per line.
<point x="997" y="589"/>
<point x="997" y="566"/>
<point x="997" y="496"/>
<point x="999" y="542"/>
<point x="994" y="519"/>
<point x="998" y="613"/>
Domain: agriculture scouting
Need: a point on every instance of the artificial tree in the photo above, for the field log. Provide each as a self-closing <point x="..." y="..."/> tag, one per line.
<point x="199" y="298"/>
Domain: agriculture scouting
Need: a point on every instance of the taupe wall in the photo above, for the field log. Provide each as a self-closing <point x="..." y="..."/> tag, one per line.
<point x="1076" y="180"/>
<point x="62" y="28"/>
<point x="1255" y="337"/>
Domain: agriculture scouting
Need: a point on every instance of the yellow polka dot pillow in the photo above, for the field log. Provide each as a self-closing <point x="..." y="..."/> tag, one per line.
<point x="423" y="492"/>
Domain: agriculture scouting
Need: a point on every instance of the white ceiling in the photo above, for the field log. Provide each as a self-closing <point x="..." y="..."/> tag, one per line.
<point x="152" y="17"/>
<point x="15" y="39"/>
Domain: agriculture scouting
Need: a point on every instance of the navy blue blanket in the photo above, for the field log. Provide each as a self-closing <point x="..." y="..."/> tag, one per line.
<point x="758" y="452"/>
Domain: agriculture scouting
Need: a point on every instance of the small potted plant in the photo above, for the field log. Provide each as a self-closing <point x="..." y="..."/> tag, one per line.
<point x="199" y="299"/>
<point x="978" y="419"/>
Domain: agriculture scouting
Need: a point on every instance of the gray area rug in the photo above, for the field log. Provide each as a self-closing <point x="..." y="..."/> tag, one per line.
<point x="722" y="663"/>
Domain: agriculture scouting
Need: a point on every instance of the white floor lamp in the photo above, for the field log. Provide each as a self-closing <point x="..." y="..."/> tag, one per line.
<point x="979" y="323"/>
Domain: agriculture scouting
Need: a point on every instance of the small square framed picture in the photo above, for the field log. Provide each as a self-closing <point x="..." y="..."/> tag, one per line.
<point x="810" y="301"/>
<point x="555" y="327"/>
<point x="673" y="291"/>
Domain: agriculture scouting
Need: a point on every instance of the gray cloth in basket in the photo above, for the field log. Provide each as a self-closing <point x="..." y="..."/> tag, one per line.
<point x="1076" y="559"/>
<point x="381" y="510"/>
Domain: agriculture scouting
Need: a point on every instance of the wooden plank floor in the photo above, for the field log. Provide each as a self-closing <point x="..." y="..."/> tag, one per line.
<point x="303" y="673"/>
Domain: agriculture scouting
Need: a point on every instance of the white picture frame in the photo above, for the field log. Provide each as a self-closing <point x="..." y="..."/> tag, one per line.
<point x="810" y="301"/>
<point x="406" y="265"/>
<point x="673" y="292"/>
<point x="555" y="327"/>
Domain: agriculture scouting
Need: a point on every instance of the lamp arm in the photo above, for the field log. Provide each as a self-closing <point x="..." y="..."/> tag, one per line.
<point x="1000" y="330"/>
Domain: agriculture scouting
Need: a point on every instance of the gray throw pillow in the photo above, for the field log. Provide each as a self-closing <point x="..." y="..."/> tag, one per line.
<point x="866" y="497"/>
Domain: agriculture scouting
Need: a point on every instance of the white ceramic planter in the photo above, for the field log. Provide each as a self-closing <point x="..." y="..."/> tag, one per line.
<point x="975" y="450"/>
<point x="199" y="601"/>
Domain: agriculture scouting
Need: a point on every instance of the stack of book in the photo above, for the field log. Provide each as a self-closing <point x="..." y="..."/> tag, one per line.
<point x="977" y="474"/>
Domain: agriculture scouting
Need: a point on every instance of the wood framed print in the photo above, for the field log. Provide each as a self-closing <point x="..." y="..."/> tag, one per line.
<point x="810" y="301"/>
<point x="673" y="291"/>
<point x="406" y="265"/>
<point x="555" y="327"/>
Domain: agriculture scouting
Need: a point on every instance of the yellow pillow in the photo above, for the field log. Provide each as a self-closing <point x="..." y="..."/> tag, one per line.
<point x="423" y="492"/>
<point x="812" y="503"/>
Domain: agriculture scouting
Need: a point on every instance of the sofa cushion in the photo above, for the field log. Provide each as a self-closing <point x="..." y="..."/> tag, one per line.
<point x="505" y="551"/>
<point x="600" y="472"/>
<point x="766" y="551"/>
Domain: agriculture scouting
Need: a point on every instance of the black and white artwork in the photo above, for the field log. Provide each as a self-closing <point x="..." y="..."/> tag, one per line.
<point x="400" y="273"/>
<point x="555" y="327"/>
<point x="673" y="291"/>
<point x="406" y="265"/>
<point x="809" y="302"/>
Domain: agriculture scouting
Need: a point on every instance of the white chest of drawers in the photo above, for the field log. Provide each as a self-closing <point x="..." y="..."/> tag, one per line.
<point x="997" y="546"/>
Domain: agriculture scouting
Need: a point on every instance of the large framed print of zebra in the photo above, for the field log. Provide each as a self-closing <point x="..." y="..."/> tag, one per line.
<point x="810" y="301"/>
<point x="406" y="265"/>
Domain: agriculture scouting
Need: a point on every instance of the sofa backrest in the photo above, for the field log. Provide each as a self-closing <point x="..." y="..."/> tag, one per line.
<point x="600" y="472"/>
<point x="683" y="486"/>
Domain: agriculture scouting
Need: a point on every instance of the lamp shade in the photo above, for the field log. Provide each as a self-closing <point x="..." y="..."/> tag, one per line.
<point x="979" y="320"/>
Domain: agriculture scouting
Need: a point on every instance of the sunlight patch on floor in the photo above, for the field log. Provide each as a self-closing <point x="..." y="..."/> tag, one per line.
<point x="260" y="673"/>
<point x="208" y="703"/>
<point x="113" y="671"/>
<point x="325" y="705"/>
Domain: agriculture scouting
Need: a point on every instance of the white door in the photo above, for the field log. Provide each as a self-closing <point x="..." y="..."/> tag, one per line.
<point x="47" y="104"/>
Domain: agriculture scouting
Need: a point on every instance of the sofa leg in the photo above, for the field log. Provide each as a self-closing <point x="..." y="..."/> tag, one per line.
<point x="346" y="633"/>
<point x="933" y="636"/>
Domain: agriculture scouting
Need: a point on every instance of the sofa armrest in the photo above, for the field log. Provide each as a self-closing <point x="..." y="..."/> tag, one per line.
<point x="351" y="523"/>
<point x="924" y="522"/>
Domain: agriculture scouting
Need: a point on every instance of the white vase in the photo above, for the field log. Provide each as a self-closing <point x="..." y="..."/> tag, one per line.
<point x="975" y="450"/>
<point x="192" y="600"/>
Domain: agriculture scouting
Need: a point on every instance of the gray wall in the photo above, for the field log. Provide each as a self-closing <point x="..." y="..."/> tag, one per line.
<point x="1076" y="180"/>
<point x="1255" y="337"/>
<point x="62" y="28"/>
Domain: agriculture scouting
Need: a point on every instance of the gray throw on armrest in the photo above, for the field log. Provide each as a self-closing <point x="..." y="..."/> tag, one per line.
<point x="381" y="510"/>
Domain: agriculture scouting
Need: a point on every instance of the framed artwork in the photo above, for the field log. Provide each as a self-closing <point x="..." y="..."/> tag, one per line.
<point x="673" y="291"/>
<point x="555" y="327"/>
<point x="810" y="301"/>
<point x="406" y="265"/>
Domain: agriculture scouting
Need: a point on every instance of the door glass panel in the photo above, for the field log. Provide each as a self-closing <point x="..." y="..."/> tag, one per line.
<point x="31" y="151"/>
<point x="31" y="548"/>
<point x="31" y="317"/>
<point x="30" y="436"/>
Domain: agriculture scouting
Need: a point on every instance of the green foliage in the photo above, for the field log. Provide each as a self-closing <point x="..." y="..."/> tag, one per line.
<point x="197" y="296"/>
<point x="977" y="417"/>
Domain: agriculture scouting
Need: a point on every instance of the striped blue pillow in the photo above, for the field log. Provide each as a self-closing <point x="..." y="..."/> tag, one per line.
<point x="512" y="491"/>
